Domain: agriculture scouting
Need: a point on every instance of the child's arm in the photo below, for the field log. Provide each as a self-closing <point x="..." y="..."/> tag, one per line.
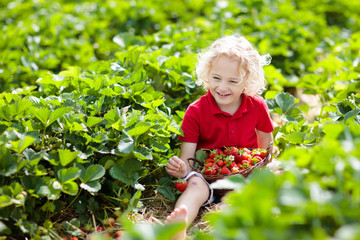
<point x="187" y="150"/>
<point x="264" y="139"/>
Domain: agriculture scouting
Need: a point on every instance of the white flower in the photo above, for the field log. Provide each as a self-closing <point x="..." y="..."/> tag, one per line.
<point x="231" y="158"/>
<point x="56" y="185"/>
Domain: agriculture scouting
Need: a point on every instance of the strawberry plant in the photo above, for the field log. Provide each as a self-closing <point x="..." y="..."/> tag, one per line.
<point x="92" y="95"/>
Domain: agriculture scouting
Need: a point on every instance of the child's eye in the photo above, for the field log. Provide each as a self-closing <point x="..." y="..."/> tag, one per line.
<point x="234" y="82"/>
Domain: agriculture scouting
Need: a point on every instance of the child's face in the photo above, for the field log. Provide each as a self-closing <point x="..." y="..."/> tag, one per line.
<point x="225" y="83"/>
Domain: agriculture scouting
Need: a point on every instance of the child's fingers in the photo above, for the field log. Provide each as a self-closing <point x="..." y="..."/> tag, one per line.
<point x="173" y="166"/>
<point x="175" y="162"/>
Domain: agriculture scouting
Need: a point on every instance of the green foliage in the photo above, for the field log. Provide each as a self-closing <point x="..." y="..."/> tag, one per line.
<point x="93" y="94"/>
<point x="317" y="197"/>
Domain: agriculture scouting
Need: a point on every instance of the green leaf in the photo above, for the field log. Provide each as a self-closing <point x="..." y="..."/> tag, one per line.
<point x="126" y="173"/>
<point x="201" y="155"/>
<point x="66" y="156"/>
<point x="71" y="72"/>
<point x="285" y="101"/>
<point x="124" y="39"/>
<point x="68" y="174"/>
<point x="4" y="230"/>
<point x="126" y="144"/>
<point x="333" y="130"/>
<point x="42" y="114"/>
<point x="140" y="128"/>
<point x="20" y="145"/>
<point x="166" y="188"/>
<point x="8" y="164"/>
<point x="92" y="121"/>
<point x="154" y="104"/>
<point x="351" y="114"/>
<point x="94" y="172"/>
<point x="70" y="188"/>
<point x="93" y="186"/>
<point x="295" y="138"/>
<point x="56" y="115"/>
<point x="143" y="153"/>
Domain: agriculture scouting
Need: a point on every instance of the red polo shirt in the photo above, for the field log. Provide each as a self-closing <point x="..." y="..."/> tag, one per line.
<point x="207" y="125"/>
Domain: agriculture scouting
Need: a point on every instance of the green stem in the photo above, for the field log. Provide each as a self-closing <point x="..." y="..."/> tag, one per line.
<point x="67" y="207"/>
<point x="55" y="234"/>
<point x="43" y="138"/>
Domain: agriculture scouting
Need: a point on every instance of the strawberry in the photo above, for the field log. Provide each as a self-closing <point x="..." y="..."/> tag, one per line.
<point x="213" y="171"/>
<point x="263" y="154"/>
<point x="118" y="234"/>
<point x="245" y="164"/>
<point x="233" y="164"/>
<point x="214" y="152"/>
<point x="209" y="160"/>
<point x="180" y="185"/>
<point x="220" y="163"/>
<point x="208" y="165"/>
<point x="225" y="170"/>
<point x="230" y="151"/>
<point x="216" y="166"/>
<point x="256" y="159"/>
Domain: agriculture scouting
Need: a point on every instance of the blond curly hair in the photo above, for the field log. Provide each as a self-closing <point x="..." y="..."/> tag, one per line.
<point x="239" y="48"/>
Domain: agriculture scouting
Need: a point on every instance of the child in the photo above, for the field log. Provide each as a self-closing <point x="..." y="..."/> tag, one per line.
<point x="230" y="114"/>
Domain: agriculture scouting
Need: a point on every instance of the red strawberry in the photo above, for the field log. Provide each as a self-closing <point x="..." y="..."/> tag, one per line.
<point x="209" y="160"/>
<point x="220" y="163"/>
<point x="213" y="171"/>
<point x="231" y="151"/>
<point x="180" y="185"/>
<point x="245" y="164"/>
<point x="99" y="229"/>
<point x="216" y="166"/>
<point x="246" y="150"/>
<point x="208" y="165"/>
<point x="118" y="234"/>
<point x="225" y="170"/>
<point x="256" y="159"/>
<point x="214" y="152"/>
<point x="233" y="164"/>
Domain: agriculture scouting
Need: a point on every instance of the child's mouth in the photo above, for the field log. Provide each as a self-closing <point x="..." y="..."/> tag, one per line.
<point x="223" y="95"/>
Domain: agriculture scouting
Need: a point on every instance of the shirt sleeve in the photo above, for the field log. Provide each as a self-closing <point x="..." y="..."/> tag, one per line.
<point x="265" y="123"/>
<point x="190" y="126"/>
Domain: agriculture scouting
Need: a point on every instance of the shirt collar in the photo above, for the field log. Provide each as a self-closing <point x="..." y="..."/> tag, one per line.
<point x="245" y="106"/>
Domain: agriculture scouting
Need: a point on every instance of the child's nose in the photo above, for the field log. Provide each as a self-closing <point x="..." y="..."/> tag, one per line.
<point x="222" y="85"/>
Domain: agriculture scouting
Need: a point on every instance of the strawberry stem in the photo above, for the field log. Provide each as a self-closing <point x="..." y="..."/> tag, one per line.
<point x="180" y="171"/>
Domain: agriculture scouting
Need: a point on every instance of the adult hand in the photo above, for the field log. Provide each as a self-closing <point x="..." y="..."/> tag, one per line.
<point x="176" y="167"/>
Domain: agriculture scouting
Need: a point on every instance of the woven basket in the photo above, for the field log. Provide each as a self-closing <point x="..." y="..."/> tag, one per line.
<point x="212" y="178"/>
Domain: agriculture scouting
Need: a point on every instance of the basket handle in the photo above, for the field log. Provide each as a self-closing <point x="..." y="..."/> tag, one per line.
<point x="270" y="148"/>
<point x="268" y="155"/>
<point x="195" y="160"/>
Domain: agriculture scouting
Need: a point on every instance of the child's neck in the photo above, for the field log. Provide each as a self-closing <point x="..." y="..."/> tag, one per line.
<point x="231" y="109"/>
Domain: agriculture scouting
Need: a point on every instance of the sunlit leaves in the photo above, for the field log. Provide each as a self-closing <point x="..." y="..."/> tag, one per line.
<point x="66" y="156"/>
<point x="8" y="164"/>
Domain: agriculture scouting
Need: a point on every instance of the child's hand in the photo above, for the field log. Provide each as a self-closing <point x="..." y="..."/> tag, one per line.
<point x="176" y="167"/>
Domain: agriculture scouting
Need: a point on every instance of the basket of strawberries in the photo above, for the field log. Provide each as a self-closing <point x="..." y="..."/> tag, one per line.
<point x="218" y="163"/>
